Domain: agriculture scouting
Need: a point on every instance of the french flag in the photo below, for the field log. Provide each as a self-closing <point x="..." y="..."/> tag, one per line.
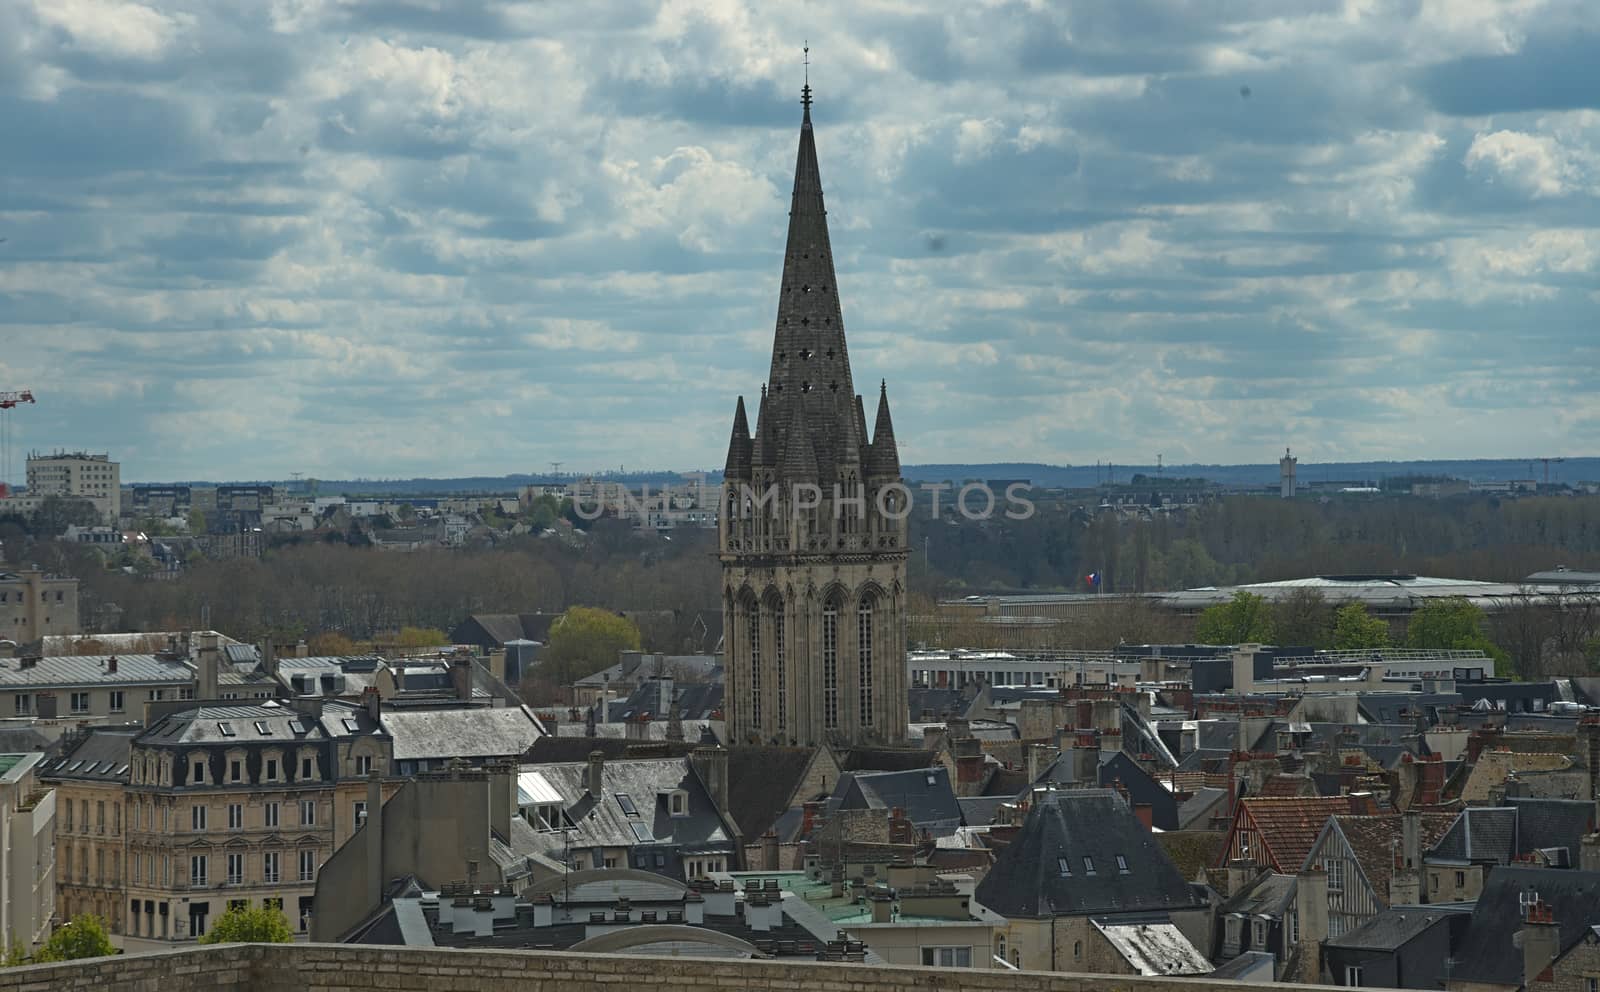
<point x="1093" y="578"/>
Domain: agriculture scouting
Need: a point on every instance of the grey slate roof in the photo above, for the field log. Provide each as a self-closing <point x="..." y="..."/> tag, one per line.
<point x="1026" y="881"/>
<point x="1487" y="952"/>
<point x="90" y="670"/>
<point x="1270" y="894"/>
<point x="1396" y="926"/>
<point x="762" y="782"/>
<point x="1498" y="834"/>
<point x="461" y="733"/>
<point x="925" y="794"/>
<point x="1547" y="823"/>
<point x="236" y="724"/>
<point x="101" y="756"/>
<point x="646" y="782"/>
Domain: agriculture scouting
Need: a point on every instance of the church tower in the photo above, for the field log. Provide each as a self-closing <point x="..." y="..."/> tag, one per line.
<point x="812" y="527"/>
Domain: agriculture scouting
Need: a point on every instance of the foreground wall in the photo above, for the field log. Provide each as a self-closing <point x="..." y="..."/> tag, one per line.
<point x="344" y="968"/>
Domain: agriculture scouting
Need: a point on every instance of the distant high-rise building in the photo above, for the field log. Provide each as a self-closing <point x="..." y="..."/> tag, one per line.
<point x="814" y="576"/>
<point x="78" y="474"/>
<point x="1286" y="466"/>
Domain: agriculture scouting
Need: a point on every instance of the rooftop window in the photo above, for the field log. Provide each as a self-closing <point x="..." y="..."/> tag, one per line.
<point x="641" y="832"/>
<point x="262" y="728"/>
<point x="226" y="729"/>
<point x="1065" y="867"/>
<point x="1122" y="865"/>
<point x="1088" y="865"/>
<point x="626" y="802"/>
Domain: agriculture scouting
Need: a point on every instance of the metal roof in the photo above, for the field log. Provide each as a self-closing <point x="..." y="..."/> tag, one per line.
<point x="92" y="670"/>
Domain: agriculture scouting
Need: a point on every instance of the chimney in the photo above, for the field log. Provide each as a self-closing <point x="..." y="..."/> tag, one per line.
<point x="882" y="906"/>
<point x="301" y="649"/>
<point x="269" y="657"/>
<point x="1411" y="841"/>
<point x="1311" y="909"/>
<point x="1039" y="757"/>
<point x="461" y="676"/>
<point x="596" y="779"/>
<point x="1430" y="780"/>
<point x="1244" y="668"/>
<point x="1589" y="853"/>
<point x="502" y="796"/>
<point x="111" y="665"/>
<point x="209" y="660"/>
<point x="1146" y="815"/>
<point x="1240" y="874"/>
<point x="372" y="701"/>
<point x="810" y="816"/>
<point x="711" y="763"/>
<point x="901" y="829"/>
<point x="769" y="851"/>
<point x="1541" y="942"/>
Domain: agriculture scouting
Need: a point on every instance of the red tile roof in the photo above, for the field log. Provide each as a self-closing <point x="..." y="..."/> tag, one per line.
<point x="1289" y="827"/>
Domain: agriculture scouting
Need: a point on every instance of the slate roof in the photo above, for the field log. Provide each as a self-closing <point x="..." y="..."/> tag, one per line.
<point x="1289" y="827"/>
<point x="647" y="782"/>
<point x="1026" y="881"/>
<point x="1487" y="951"/>
<point x="237" y="724"/>
<point x="1480" y="833"/>
<point x="1201" y="806"/>
<point x="1498" y="834"/>
<point x="1394" y="927"/>
<point x="762" y="783"/>
<point x="1270" y="894"/>
<point x="1547" y="823"/>
<point x="1154" y="948"/>
<point x="979" y="811"/>
<point x="461" y="733"/>
<point x="937" y="703"/>
<point x="101" y="756"/>
<point x="576" y="748"/>
<point x="90" y="670"/>
<point x="926" y="795"/>
<point x="1373" y="840"/>
<point x="886" y="759"/>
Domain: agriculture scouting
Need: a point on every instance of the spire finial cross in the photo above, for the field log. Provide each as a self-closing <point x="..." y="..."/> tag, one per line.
<point x="805" y="91"/>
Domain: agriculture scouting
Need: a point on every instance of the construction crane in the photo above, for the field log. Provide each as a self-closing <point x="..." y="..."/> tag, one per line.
<point x="9" y="400"/>
<point x="1547" y="462"/>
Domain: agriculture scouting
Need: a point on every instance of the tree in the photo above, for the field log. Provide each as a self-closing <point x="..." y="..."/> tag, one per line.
<point x="1354" y="629"/>
<point x="1244" y="619"/>
<point x="249" y="925"/>
<point x="197" y="522"/>
<point x="83" y="937"/>
<point x="332" y="644"/>
<point x="1302" y="619"/>
<point x="584" y="640"/>
<point x="420" y="637"/>
<point x="1451" y="624"/>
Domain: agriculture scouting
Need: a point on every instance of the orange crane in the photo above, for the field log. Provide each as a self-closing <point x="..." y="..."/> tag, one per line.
<point x="9" y="399"/>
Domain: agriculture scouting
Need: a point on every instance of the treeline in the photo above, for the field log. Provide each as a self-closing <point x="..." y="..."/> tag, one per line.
<point x="305" y="589"/>
<point x="1254" y="539"/>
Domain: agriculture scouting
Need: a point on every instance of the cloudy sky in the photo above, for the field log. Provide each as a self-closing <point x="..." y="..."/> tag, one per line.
<point x="442" y="237"/>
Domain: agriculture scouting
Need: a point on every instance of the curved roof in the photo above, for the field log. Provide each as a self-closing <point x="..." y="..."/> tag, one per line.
<point x="667" y="939"/>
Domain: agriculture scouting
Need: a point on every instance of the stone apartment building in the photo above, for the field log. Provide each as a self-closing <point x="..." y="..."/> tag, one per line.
<point x="79" y="474"/>
<point x="33" y="605"/>
<point x="100" y="688"/>
<point x="27" y="861"/>
<point x="88" y="776"/>
<point x="239" y="803"/>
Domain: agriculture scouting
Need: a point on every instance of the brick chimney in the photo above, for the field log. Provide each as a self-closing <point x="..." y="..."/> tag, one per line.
<point x="769" y="851"/>
<point x="901" y="830"/>
<point x="1541" y="942"/>
<point x="111" y="665"/>
<point x="1311" y="910"/>
<point x="208" y="661"/>
<point x="461" y="676"/>
<point x="372" y="702"/>
<point x="595" y="780"/>
<point x="1430" y="780"/>
<point x="811" y="816"/>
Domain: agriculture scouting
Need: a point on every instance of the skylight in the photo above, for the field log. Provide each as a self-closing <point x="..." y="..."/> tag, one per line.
<point x="1065" y="867"/>
<point x="296" y="727"/>
<point x="626" y="802"/>
<point x="351" y="725"/>
<point x="1122" y="865"/>
<point x="226" y="729"/>
<point x="1088" y="865"/>
<point x="262" y="728"/>
<point x="641" y="832"/>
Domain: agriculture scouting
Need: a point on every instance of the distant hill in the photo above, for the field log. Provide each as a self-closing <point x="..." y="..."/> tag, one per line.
<point x="1039" y="474"/>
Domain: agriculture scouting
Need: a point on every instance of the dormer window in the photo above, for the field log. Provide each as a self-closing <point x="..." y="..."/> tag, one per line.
<point x="678" y="802"/>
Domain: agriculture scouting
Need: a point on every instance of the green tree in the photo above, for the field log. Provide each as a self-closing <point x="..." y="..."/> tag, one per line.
<point x="1302" y="619"/>
<point x="421" y="637"/>
<point x="1354" y="629"/>
<point x="584" y="640"/>
<point x="1244" y="619"/>
<point x="1451" y="624"/>
<point x="249" y="925"/>
<point x="197" y="522"/>
<point x="83" y="937"/>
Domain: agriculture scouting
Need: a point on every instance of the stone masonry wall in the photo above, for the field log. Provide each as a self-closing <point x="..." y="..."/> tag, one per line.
<point x="346" y="968"/>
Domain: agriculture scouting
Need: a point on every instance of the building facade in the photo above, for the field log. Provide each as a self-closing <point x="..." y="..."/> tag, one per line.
<point x="33" y="605"/>
<point x="27" y="851"/>
<point x="240" y="804"/>
<point x="91" y="844"/>
<point x="812" y="528"/>
<point x="79" y="474"/>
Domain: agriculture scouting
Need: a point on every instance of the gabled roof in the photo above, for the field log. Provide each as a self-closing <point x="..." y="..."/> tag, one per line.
<point x="762" y="782"/>
<point x="461" y="733"/>
<point x="1488" y="952"/>
<point x="1289" y="827"/>
<point x="886" y="759"/>
<point x="1154" y="948"/>
<point x="1062" y="830"/>
<point x="1269" y="894"/>
<point x="925" y="794"/>
<point x="605" y="821"/>
<point x="1500" y="834"/>
<point x="1479" y="833"/>
<point x="1394" y="927"/>
<point x="1374" y="839"/>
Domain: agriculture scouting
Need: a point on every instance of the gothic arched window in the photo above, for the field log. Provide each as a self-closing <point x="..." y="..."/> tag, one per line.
<point x="864" y="650"/>
<point x="830" y="664"/>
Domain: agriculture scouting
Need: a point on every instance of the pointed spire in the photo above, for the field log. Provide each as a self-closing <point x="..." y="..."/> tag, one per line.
<point x="738" y="466"/>
<point x="765" y="454"/>
<point x="799" y="456"/>
<point x="885" y="455"/>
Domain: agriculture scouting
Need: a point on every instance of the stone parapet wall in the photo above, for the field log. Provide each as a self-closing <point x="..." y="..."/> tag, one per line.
<point x="348" y="968"/>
